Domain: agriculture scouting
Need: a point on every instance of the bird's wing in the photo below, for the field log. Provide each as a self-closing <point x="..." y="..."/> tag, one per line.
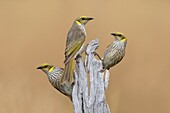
<point x="75" y="40"/>
<point x="110" y="55"/>
<point x="109" y="48"/>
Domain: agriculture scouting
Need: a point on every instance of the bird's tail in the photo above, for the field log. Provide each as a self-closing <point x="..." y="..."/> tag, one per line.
<point x="68" y="72"/>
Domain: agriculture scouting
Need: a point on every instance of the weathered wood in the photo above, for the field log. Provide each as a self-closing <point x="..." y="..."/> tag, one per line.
<point x="90" y="98"/>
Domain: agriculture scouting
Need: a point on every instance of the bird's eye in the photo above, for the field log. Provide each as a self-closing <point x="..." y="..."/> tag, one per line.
<point x="83" y="18"/>
<point x="45" y="66"/>
<point x="119" y="35"/>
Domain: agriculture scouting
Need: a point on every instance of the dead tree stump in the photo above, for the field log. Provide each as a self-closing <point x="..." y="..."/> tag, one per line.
<point x="90" y="98"/>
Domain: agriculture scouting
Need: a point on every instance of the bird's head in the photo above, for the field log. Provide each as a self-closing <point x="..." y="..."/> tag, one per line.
<point x="82" y="20"/>
<point x="119" y="36"/>
<point x="46" y="67"/>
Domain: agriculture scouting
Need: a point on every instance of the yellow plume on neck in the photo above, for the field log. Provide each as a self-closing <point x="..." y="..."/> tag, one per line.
<point x="78" y="22"/>
<point x="51" y="69"/>
<point x="123" y="40"/>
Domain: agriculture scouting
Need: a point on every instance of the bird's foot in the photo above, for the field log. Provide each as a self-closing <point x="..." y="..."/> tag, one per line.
<point x="76" y="58"/>
<point x="102" y="70"/>
<point x="73" y="84"/>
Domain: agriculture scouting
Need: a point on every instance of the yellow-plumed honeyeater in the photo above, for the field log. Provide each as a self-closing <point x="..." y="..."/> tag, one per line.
<point x="74" y="43"/>
<point x="115" y="51"/>
<point x="54" y="76"/>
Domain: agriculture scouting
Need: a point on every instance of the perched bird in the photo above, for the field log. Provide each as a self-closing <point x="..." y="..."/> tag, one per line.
<point x="115" y="51"/>
<point x="74" y="44"/>
<point x="54" y="76"/>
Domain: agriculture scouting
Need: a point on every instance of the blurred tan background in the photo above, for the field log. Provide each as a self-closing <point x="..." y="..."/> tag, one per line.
<point x="34" y="31"/>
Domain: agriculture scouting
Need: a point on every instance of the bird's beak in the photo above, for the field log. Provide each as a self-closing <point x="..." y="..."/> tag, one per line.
<point x="40" y="67"/>
<point x="114" y="34"/>
<point x="90" y="18"/>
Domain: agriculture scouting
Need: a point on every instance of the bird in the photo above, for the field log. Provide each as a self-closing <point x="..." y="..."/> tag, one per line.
<point x="115" y="52"/>
<point x="54" y="76"/>
<point x="74" y="44"/>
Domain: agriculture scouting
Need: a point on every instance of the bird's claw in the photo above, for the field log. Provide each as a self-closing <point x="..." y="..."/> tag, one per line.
<point x="102" y="70"/>
<point x="76" y="58"/>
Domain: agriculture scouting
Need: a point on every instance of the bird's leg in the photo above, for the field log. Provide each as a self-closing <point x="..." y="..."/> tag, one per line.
<point x="96" y="54"/>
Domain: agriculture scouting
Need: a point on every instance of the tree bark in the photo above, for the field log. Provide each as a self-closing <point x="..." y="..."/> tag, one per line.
<point x="90" y="84"/>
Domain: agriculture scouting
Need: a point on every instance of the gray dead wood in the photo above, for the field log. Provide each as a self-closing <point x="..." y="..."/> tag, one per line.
<point x="90" y="98"/>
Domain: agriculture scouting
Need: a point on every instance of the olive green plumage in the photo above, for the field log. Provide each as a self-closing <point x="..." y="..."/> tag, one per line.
<point x="74" y="43"/>
<point x="54" y="76"/>
<point x="115" y="51"/>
